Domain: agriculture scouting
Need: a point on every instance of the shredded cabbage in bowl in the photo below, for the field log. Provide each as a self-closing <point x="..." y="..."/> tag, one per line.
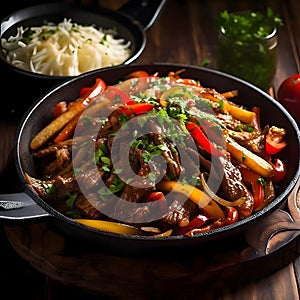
<point x="66" y="49"/>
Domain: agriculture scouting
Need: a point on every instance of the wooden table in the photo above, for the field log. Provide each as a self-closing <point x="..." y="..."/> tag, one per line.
<point x="184" y="34"/>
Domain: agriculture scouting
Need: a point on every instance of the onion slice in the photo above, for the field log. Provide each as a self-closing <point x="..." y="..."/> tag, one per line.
<point x="215" y="197"/>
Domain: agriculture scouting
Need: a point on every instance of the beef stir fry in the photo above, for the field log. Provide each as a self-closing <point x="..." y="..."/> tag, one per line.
<point x="157" y="155"/>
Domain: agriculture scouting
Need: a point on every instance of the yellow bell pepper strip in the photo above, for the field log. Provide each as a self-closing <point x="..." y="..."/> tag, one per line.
<point x="112" y="227"/>
<point x="257" y="188"/>
<point x="248" y="158"/>
<point x="230" y="94"/>
<point x="120" y="228"/>
<point x="245" y="116"/>
<point x="155" y="231"/>
<point x="74" y="108"/>
<point x="209" y="206"/>
<point x="52" y="128"/>
<point x="135" y="109"/>
<point x="164" y="234"/>
<point x="202" y="140"/>
<point x="173" y="91"/>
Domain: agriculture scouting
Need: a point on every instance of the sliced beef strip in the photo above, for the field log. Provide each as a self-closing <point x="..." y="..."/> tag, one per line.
<point x="234" y="188"/>
<point x="181" y="210"/>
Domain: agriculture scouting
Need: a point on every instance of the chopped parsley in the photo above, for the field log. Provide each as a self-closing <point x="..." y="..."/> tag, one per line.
<point x="248" y="25"/>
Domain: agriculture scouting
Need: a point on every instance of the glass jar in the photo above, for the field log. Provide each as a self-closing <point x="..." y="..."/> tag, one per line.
<point x="253" y="61"/>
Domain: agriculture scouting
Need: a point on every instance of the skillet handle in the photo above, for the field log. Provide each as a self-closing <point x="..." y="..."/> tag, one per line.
<point x="19" y="207"/>
<point x="145" y="12"/>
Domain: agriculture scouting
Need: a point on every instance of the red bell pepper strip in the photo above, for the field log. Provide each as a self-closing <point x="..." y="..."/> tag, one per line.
<point x="187" y="81"/>
<point x="258" y="190"/>
<point x="140" y="74"/>
<point x="136" y="109"/>
<point x="159" y="199"/>
<point x="114" y="94"/>
<point x="231" y="218"/>
<point x="93" y="91"/>
<point x="279" y="170"/>
<point x="202" y="140"/>
<point x="196" y="222"/>
<point x="60" y="108"/>
<point x="84" y="91"/>
<point x="275" y="141"/>
<point x="84" y="101"/>
<point x="74" y="108"/>
<point x="142" y="79"/>
<point x="273" y="145"/>
<point x="67" y="131"/>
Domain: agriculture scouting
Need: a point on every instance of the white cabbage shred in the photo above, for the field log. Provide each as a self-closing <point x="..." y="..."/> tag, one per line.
<point x="66" y="49"/>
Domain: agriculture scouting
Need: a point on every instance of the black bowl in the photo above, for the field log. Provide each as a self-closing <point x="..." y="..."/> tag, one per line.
<point x="33" y="84"/>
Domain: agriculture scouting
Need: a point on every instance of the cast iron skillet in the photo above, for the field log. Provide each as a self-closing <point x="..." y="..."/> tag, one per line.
<point x="37" y="210"/>
<point x="132" y="20"/>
